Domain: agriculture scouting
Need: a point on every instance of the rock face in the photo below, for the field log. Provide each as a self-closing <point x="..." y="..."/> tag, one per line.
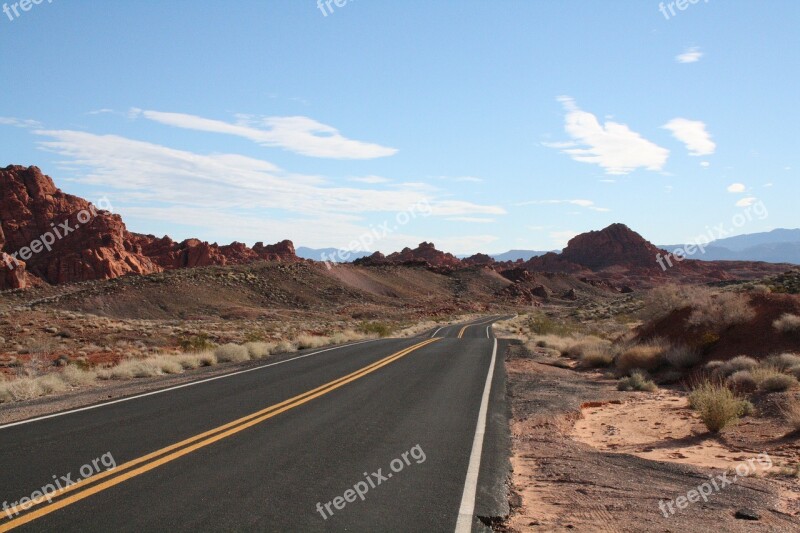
<point x="425" y="254"/>
<point x="61" y="238"/>
<point x="479" y="259"/>
<point x="615" y="245"/>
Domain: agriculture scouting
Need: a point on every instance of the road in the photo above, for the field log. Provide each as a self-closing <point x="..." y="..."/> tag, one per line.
<point x="384" y="435"/>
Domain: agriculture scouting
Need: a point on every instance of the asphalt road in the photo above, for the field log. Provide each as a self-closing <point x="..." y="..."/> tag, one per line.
<point x="388" y="435"/>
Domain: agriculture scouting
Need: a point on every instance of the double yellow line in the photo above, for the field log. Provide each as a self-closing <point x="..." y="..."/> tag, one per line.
<point x="165" y="455"/>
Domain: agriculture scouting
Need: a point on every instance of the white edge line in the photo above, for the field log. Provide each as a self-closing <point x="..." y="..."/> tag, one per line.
<point x="176" y="387"/>
<point x="437" y="331"/>
<point x="467" y="508"/>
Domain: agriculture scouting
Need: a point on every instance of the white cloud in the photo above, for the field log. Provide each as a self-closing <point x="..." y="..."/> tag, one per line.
<point x="19" y="123"/>
<point x="693" y="134"/>
<point x="705" y="164"/>
<point x="476" y="220"/>
<point x="371" y="179"/>
<point x="152" y="173"/>
<point x="301" y="135"/>
<point x="612" y="146"/>
<point x="746" y="202"/>
<point x="736" y="187"/>
<point x="587" y="204"/>
<point x="690" y="55"/>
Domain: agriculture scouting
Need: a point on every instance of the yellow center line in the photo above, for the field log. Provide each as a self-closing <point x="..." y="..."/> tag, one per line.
<point x="219" y="433"/>
<point x="461" y="333"/>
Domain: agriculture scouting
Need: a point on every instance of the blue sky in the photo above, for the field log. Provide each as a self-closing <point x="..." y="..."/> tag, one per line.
<point x="480" y="126"/>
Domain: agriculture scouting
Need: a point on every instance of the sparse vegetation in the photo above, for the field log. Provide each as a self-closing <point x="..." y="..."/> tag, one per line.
<point x="231" y="353"/>
<point x="737" y="364"/>
<point x="720" y="311"/>
<point x="742" y="382"/>
<point x="791" y="412"/>
<point x="682" y="356"/>
<point x="196" y="343"/>
<point x="637" y="381"/>
<point x="381" y="329"/>
<point x="777" y="383"/>
<point x="646" y="356"/>
<point x="787" y="323"/>
<point x="717" y="405"/>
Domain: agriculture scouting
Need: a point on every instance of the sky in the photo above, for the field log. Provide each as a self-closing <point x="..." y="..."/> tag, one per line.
<point x="480" y="126"/>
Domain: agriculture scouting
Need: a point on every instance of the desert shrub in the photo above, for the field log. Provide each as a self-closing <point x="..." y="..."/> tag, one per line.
<point x="760" y="288"/>
<point x="778" y="383"/>
<point x="51" y="383"/>
<point x="231" y="353"/>
<point x="597" y="358"/>
<point x="312" y="341"/>
<point x="167" y="364"/>
<point x="579" y="347"/>
<point x="720" y="310"/>
<point x="285" y="347"/>
<point x="130" y="370"/>
<point x="742" y="381"/>
<point x="783" y="361"/>
<point x="347" y="335"/>
<point x="791" y="412"/>
<point x="259" y="350"/>
<point x="77" y="377"/>
<point x="646" y="356"/>
<point x="738" y="363"/>
<point x="541" y="324"/>
<point x="712" y="366"/>
<point x="207" y="359"/>
<point x="555" y="342"/>
<point x="20" y="389"/>
<point x="662" y="300"/>
<point x="381" y="329"/>
<point x="637" y="381"/>
<point x="788" y="323"/>
<point x="717" y="405"/>
<point x="188" y="361"/>
<point x="196" y="343"/>
<point x="795" y="371"/>
<point x="681" y="356"/>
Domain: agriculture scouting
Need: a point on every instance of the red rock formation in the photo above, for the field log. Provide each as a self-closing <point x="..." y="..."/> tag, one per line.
<point x="425" y="254"/>
<point x="615" y="245"/>
<point x="478" y="259"/>
<point x="61" y="237"/>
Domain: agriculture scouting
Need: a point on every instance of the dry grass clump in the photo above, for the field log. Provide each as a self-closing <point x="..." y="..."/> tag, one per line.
<point x="259" y="350"/>
<point x="777" y="383"/>
<point x="721" y="310"/>
<point x="77" y="377"/>
<point x="597" y="358"/>
<point x="788" y="323"/>
<point x="717" y="405"/>
<point x="662" y="300"/>
<point x="637" y="381"/>
<point x="131" y="370"/>
<point x="791" y="412"/>
<point x="742" y="382"/>
<point x="737" y="364"/>
<point x="682" y="356"/>
<point x="231" y="353"/>
<point x="783" y="362"/>
<point x="646" y="356"/>
<point x="311" y="341"/>
<point x="285" y="347"/>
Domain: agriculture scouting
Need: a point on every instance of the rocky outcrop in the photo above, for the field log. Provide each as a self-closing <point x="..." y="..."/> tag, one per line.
<point x="615" y="245"/>
<point x="61" y="238"/>
<point x="425" y="255"/>
<point x="478" y="259"/>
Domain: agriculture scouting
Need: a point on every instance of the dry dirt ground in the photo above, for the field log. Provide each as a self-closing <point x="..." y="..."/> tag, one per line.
<point x="589" y="458"/>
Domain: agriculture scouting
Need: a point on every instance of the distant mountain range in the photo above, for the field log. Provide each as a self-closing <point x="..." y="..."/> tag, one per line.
<point x="328" y="254"/>
<point x="776" y="246"/>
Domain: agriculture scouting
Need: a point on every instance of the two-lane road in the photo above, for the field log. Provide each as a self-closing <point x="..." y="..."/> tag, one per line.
<point x="387" y="435"/>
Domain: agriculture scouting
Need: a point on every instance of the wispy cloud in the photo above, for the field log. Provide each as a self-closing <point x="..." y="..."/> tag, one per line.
<point x="746" y="202"/>
<point x="158" y="174"/>
<point x="690" y="55"/>
<point x="373" y="180"/>
<point x="587" y="204"/>
<point x="301" y="135"/>
<point x="693" y="134"/>
<point x="20" y="123"/>
<point x="736" y="188"/>
<point x="612" y="146"/>
<point x="475" y="220"/>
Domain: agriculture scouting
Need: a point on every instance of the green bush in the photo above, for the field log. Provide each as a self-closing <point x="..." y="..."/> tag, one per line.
<point x="381" y="329"/>
<point x="717" y="405"/>
<point x="636" y="382"/>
